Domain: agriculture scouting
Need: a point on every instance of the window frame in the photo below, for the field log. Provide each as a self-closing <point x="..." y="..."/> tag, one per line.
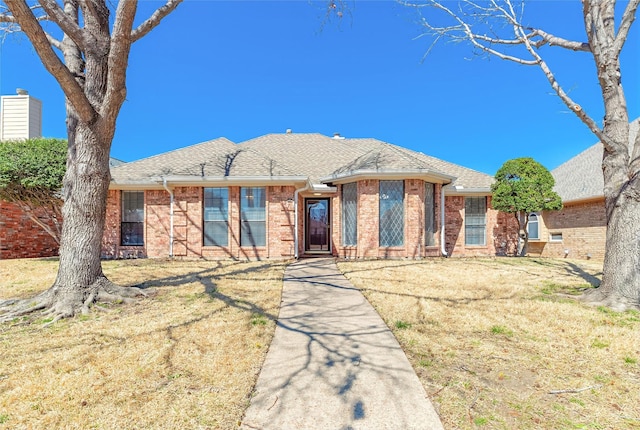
<point x="384" y="240"/>
<point x="429" y="212"/>
<point x="537" y="224"/>
<point x="468" y="226"/>
<point x="126" y="219"/>
<point x="246" y="231"/>
<point x="352" y="234"/>
<point x="556" y="233"/>
<point x="215" y="222"/>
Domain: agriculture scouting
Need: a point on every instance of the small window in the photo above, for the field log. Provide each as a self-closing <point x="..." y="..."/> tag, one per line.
<point x="429" y="214"/>
<point x="350" y="214"/>
<point x="475" y="220"/>
<point x="555" y="237"/>
<point x="532" y="227"/>
<point x="132" y="225"/>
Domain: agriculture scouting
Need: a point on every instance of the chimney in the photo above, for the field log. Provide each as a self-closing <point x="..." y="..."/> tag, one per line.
<point x="20" y="116"/>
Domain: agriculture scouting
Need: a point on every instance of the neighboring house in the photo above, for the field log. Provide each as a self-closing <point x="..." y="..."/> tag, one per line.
<point x="579" y="229"/>
<point x="20" y="237"/>
<point x="293" y="195"/>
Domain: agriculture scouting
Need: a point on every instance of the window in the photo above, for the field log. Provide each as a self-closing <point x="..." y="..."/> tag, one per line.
<point x="475" y="209"/>
<point x="132" y="225"/>
<point x="532" y="227"/>
<point x="429" y="214"/>
<point x="350" y="214"/>
<point x="555" y="237"/>
<point x="391" y="231"/>
<point x="216" y="216"/>
<point x="253" y="231"/>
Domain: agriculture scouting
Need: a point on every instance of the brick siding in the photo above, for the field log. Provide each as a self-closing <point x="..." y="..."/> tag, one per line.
<point x="20" y="237"/>
<point x="188" y="225"/>
<point x="583" y="228"/>
<point x="500" y="233"/>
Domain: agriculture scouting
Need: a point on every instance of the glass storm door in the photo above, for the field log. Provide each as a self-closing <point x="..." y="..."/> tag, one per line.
<point x="317" y="221"/>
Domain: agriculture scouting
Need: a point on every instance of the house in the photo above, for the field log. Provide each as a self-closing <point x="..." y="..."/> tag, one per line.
<point x="300" y="194"/>
<point x="578" y="230"/>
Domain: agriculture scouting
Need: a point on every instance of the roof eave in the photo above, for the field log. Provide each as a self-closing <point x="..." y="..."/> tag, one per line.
<point x="460" y="190"/>
<point x="387" y="174"/>
<point x="156" y="182"/>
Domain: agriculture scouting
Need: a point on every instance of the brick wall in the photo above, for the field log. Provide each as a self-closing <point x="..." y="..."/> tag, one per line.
<point x="20" y="237"/>
<point x="583" y="228"/>
<point x="500" y="233"/>
<point x="188" y="226"/>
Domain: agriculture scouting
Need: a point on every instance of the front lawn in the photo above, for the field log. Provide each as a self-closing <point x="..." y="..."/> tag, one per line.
<point x="186" y="358"/>
<point x="500" y="344"/>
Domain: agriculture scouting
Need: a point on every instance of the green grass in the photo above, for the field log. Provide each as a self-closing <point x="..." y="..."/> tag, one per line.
<point x="258" y="319"/>
<point x="401" y="325"/>
<point x="598" y="343"/>
<point x="500" y="329"/>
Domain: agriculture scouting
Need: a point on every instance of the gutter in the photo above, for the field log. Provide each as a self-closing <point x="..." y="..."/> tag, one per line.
<point x="443" y="245"/>
<point x="164" y="184"/>
<point x="295" y="220"/>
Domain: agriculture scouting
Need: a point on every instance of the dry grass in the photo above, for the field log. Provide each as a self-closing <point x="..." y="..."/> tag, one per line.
<point x="490" y="339"/>
<point x="186" y="358"/>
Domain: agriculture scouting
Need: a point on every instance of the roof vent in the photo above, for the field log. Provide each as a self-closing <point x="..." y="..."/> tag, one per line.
<point x="337" y="136"/>
<point x="289" y="131"/>
<point x="22" y="92"/>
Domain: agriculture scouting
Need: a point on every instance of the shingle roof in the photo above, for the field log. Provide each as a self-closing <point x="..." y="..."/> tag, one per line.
<point x="581" y="178"/>
<point x="309" y="155"/>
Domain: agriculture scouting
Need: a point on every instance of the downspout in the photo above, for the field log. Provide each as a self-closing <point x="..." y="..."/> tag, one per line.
<point x="164" y="184"/>
<point x="443" y="245"/>
<point x="295" y="220"/>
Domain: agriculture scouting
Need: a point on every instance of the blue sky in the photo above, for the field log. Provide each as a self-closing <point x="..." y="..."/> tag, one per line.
<point x="244" y="69"/>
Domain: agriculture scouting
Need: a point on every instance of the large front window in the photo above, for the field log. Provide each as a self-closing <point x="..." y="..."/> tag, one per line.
<point x="391" y="213"/>
<point x="216" y="216"/>
<point x="350" y="214"/>
<point x="132" y="225"/>
<point x="475" y="210"/>
<point x="253" y="231"/>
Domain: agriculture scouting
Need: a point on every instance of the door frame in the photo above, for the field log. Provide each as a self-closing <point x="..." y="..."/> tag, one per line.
<point x="306" y="223"/>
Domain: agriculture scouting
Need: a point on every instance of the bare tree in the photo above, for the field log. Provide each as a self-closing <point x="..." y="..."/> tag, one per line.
<point x="90" y="64"/>
<point x="495" y="28"/>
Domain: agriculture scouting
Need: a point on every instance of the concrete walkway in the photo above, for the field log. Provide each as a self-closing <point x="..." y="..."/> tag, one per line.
<point x="333" y="363"/>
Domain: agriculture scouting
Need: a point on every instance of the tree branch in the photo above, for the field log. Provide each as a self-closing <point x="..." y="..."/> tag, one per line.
<point x="567" y="100"/>
<point x="551" y="40"/>
<point x="628" y="17"/>
<point x="157" y="16"/>
<point x="68" y="26"/>
<point x="30" y="26"/>
<point x="54" y="42"/>
<point x="121" y="41"/>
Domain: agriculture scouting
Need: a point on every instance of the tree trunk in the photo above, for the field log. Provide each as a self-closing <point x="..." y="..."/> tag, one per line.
<point x="620" y="287"/>
<point x="86" y="184"/>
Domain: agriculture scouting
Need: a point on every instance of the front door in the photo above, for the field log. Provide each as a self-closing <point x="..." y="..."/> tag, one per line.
<point x="317" y="226"/>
